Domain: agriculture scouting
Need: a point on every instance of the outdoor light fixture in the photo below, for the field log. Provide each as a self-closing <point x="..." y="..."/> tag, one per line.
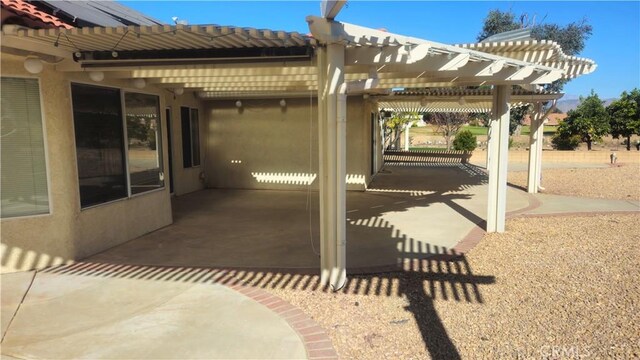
<point x="238" y="104"/>
<point x="178" y="91"/>
<point x="462" y="100"/>
<point x="96" y="76"/>
<point x="139" y="83"/>
<point x="33" y="65"/>
<point x="114" y="54"/>
<point x="77" y="54"/>
<point x="283" y="103"/>
<point x="365" y="96"/>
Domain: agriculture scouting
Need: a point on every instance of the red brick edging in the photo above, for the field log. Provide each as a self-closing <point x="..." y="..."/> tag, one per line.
<point x="314" y="338"/>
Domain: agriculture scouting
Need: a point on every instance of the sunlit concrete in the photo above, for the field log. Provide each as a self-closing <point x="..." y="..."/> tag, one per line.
<point x="558" y="204"/>
<point x="14" y="288"/>
<point x="405" y="214"/>
<point x="179" y="314"/>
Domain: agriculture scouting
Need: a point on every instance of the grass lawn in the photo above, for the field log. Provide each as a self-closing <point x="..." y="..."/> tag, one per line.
<point x="476" y="130"/>
<point x="548" y="130"/>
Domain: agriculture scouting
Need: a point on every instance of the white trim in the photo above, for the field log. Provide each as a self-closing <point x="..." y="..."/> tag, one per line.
<point x="45" y="145"/>
<point x="171" y="156"/>
<point x="125" y="145"/>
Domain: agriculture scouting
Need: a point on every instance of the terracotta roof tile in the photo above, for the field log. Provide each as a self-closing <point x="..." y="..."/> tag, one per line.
<point x="23" y="8"/>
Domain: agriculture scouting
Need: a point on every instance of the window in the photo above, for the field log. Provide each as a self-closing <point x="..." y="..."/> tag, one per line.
<point x="102" y="152"/>
<point x="97" y="118"/>
<point x="24" y="173"/>
<point x="190" y="137"/>
<point x="144" y="142"/>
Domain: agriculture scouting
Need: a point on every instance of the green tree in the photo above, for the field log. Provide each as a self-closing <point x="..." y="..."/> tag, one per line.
<point x="624" y="116"/>
<point x="395" y="125"/>
<point x="465" y="141"/>
<point x="589" y="121"/>
<point x="497" y="22"/>
<point x="516" y="116"/>
<point x="447" y="124"/>
<point x="571" y="37"/>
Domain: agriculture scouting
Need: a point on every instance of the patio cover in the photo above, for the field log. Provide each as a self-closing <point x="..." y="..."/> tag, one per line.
<point x="339" y="59"/>
<point x="469" y="100"/>
<point x="226" y="61"/>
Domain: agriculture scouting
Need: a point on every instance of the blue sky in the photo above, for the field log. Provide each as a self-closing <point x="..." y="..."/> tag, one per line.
<point x="614" y="45"/>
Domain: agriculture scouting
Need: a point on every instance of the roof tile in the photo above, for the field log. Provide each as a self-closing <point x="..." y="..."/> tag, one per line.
<point x="23" y="8"/>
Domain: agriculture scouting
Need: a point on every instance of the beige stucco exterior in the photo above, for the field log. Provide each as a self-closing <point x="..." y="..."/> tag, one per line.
<point x="68" y="232"/>
<point x="262" y="145"/>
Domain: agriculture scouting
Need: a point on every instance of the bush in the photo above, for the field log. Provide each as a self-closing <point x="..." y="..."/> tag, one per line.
<point x="465" y="141"/>
<point x="565" y="142"/>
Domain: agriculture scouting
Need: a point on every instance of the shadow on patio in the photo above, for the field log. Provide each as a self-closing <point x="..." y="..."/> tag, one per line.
<point x="406" y="224"/>
<point x="444" y="275"/>
<point x="435" y="205"/>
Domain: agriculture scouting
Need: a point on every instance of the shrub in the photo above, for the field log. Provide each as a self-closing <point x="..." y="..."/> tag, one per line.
<point x="565" y="142"/>
<point x="465" y="141"/>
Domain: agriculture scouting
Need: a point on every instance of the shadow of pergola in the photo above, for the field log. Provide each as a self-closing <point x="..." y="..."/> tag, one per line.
<point x="423" y="273"/>
<point x="444" y="274"/>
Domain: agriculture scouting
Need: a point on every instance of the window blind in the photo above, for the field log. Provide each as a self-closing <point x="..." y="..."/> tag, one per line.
<point x="23" y="170"/>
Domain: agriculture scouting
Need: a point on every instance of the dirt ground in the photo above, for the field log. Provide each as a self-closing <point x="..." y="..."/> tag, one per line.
<point x="616" y="182"/>
<point x="558" y="287"/>
<point x="551" y="288"/>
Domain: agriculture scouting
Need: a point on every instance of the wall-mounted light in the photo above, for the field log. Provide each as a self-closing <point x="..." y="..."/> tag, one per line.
<point x="114" y="54"/>
<point x="178" y="91"/>
<point x="365" y="96"/>
<point x="283" y="103"/>
<point x="139" y="83"/>
<point x="96" y="76"/>
<point x="33" y="65"/>
<point x="238" y="104"/>
<point x="462" y="100"/>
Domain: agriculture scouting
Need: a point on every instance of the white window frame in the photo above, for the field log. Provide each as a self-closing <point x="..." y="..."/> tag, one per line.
<point x="45" y="144"/>
<point x="125" y="147"/>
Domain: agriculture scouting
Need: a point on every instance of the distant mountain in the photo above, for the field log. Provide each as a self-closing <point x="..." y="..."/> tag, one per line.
<point x="570" y="102"/>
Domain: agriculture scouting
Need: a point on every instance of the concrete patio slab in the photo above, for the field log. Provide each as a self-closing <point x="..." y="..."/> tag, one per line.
<point x="178" y="315"/>
<point x="14" y="289"/>
<point x="407" y="213"/>
<point x="559" y="204"/>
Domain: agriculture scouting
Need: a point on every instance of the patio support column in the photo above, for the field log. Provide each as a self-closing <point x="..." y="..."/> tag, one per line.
<point x="332" y="137"/>
<point x="406" y="137"/>
<point x="499" y="152"/>
<point x="535" y="149"/>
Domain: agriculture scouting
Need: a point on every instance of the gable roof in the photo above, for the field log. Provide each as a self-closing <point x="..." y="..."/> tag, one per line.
<point x="23" y="8"/>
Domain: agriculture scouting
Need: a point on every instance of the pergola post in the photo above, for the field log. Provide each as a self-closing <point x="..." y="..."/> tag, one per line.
<point x="406" y="136"/>
<point x="535" y="149"/>
<point x="497" y="162"/>
<point x="332" y="169"/>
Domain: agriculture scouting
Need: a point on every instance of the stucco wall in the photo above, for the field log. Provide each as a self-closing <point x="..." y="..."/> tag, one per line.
<point x="265" y="146"/>
<point x="69" y="233"/>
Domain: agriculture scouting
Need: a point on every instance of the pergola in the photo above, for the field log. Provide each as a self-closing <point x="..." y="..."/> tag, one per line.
<point x="337" y="60"/>
<point x="479" y="100"/>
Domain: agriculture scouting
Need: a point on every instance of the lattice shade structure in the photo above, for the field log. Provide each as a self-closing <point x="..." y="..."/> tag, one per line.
<point x="478" y="100"/>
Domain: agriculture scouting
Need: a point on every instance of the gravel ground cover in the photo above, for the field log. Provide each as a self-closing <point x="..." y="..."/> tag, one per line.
<point x="616" y="182"/>
<point x="554" y="287"/>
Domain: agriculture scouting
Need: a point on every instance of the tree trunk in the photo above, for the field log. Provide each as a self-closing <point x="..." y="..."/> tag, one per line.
<point x="629" y="143"/>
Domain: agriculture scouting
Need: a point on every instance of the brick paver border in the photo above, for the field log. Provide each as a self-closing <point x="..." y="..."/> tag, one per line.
<point x="315" y="340"/>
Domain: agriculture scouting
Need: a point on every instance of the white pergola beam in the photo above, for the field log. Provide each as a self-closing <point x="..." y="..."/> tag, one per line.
<point x="330" y="8"/>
